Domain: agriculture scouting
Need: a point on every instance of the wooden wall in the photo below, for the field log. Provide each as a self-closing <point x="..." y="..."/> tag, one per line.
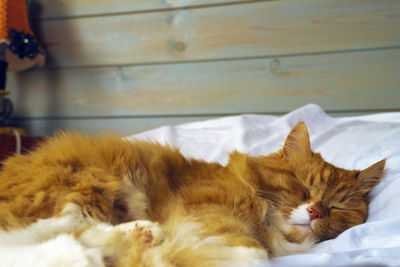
<point x="131" y="65"/>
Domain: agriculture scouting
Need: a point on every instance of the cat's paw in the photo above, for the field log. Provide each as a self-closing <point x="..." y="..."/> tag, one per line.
<point x="123" y="242"/>
<point x="144" y="232"/>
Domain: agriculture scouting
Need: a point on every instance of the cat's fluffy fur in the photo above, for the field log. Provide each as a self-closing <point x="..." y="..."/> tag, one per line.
<point x="201" y="213"/>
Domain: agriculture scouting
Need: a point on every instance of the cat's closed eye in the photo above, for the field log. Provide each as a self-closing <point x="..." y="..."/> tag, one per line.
<point x="342" y="208"/>
<point x="306" y="195"/>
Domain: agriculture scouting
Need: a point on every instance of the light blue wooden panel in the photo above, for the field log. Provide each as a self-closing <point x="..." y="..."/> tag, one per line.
<point x="123" y="126"/>
<point x="52" y="9"/>
<point x="256" y="57"/>
<point x="235" y="31"/>
<point x="337" y="82"/>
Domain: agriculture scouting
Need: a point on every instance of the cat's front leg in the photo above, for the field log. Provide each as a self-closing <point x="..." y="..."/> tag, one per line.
<point x="123" y="244"/>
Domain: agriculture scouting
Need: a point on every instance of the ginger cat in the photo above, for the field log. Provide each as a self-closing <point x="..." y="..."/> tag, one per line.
<point x="145" y="204"/>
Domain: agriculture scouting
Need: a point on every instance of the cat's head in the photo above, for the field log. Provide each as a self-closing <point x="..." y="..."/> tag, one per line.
<point x="318" y="199"/>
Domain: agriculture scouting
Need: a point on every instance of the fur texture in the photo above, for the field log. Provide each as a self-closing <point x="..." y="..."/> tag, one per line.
<point x="196" y="212"/>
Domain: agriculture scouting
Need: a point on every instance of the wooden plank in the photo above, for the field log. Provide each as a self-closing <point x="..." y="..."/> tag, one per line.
<point x="51" y="9"/>
<point x="237" y="31"/>
<point x="123" y="126"/>
<point x="347" y="81"/>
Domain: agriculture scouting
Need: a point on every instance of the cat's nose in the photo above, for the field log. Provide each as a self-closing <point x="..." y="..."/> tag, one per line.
<point x="314" y="213"/>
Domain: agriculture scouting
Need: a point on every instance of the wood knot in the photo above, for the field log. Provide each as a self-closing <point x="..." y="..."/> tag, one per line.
<point x="274" y="65"/>
<point x="179" y="46"/>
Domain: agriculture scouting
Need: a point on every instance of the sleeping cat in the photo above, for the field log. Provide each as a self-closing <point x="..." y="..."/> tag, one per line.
<point x="145" y="204"/>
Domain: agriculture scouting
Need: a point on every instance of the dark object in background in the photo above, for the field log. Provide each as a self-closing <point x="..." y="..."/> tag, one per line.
<point x="19" y="50"/>
<point x="24" y="44"/>
<point x="8" y="144"/>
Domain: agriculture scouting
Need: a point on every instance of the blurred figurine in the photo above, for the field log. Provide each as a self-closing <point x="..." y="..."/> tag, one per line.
<point x="19" y="50"/>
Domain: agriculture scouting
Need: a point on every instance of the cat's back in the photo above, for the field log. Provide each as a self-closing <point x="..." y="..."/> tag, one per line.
<point x="65" y="168"/>
<point x="63" y="151"/>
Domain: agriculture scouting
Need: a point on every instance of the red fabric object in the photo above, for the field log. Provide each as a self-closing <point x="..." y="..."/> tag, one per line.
<point x="14" y="15"/>
<point x="8" y="145"/>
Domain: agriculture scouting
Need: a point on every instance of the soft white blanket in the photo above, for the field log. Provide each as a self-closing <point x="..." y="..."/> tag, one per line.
<point x="352" y="142"/>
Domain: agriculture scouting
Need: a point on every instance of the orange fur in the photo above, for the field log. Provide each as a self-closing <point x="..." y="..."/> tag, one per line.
<point x="247" y="203"/>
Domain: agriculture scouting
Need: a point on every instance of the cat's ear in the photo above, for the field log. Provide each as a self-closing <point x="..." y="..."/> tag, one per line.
<point x="297" y="144"/>
<point x="371" y="176"/>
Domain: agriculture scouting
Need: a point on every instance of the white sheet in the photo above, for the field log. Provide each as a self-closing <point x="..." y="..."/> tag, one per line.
<point x="350" y="142"/>
<point x="353" y="142"/>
